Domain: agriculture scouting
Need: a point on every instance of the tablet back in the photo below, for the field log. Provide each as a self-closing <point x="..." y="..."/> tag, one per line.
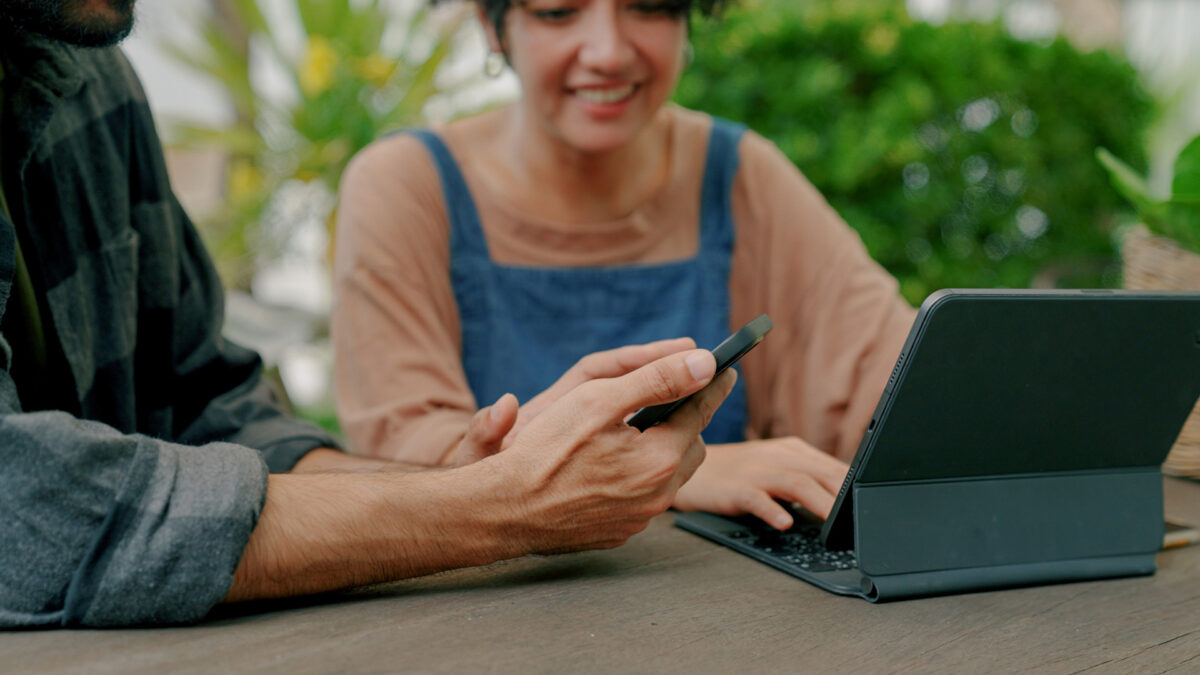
<point x="1021" y="435"/>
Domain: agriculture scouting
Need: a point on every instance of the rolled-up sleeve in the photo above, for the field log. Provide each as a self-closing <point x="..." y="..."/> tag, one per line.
<point x="101" y="528"/>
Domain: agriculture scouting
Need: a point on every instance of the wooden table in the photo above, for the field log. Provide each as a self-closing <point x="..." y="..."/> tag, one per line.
<point x="666" y="602"/>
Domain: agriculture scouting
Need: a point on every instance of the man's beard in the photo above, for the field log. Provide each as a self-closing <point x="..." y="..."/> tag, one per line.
<point x="72" y="21"/>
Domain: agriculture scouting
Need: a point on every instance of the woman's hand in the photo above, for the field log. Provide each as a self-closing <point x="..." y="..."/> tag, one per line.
<point x="741" y="478"/>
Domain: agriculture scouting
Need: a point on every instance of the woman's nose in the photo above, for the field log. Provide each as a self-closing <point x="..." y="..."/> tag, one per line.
<point x="606" y="46"/>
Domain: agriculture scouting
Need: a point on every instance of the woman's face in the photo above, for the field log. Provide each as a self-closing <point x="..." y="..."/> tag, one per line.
<point x="594" y="72"/>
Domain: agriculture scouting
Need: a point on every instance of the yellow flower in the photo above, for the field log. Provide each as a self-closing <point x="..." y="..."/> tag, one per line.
<point x="375" y="69"/>
<point x="244" y="180"/>
<point x="317" y="66"/>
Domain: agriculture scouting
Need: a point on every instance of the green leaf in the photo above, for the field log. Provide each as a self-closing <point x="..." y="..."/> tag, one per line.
<point x="1182" y="223"/>
<point x="323" y="17"/>
<point x="248" y="11"/>
<point x="1131" y="185"/>
<point x="1185" y="186"/>
<point x="364" y="29"/>
<point x="236" y="140"/>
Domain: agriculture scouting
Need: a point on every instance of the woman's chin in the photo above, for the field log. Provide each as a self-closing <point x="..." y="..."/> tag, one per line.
<point x="598" y="138"/>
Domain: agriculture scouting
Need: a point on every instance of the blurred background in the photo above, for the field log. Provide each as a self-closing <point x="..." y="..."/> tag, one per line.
<point x="958" y="137"/>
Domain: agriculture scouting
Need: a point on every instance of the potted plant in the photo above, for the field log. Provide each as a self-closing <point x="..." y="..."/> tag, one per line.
<point x="1163" y="253"/>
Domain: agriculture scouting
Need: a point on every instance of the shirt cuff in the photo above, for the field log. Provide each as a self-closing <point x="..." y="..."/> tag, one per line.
<point x="167" y="550"/>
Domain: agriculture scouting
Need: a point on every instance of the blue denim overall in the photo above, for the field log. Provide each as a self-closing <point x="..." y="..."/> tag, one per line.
<point x="522" y="327"/>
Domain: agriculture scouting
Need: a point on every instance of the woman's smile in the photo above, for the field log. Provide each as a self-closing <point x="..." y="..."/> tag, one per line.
<point x="605" y="95"/>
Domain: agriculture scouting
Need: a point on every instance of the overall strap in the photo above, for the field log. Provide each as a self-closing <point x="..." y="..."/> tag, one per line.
<point x="716" y="203"/>
<point x="466" y="233"/>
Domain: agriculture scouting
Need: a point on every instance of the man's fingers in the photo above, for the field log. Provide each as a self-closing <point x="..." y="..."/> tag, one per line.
<point x="501" y="416"/>
<point x="599" y="365"/>
<point x="692" y="458"/>
<point x="486" y="432"/>
<point x="692" y="417"/>
<point x="622" y="360"/>
<point x="617" y="362"/>
<point x="663" y="381"/>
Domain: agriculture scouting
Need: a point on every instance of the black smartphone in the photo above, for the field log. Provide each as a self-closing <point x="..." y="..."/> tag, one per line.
<point x="727" y="353"/>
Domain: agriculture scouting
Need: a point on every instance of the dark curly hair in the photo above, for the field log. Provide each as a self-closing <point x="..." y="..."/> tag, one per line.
<point x="496" y="9"/>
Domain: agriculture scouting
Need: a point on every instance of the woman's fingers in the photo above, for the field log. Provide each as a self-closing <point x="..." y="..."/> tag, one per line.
<point x="804" y="490"/>
<point x="759" y="503"/>
<point x="801" y="457"/>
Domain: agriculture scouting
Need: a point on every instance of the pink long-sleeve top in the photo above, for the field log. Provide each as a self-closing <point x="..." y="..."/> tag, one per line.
<point x="402" y="393"/>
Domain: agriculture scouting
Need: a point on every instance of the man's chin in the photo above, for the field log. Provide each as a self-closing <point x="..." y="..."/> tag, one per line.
<point x="75" y="22"/>
<point x="93" y="37"/>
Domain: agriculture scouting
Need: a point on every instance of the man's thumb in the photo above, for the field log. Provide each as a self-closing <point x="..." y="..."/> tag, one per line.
<point x="487" y="430"/>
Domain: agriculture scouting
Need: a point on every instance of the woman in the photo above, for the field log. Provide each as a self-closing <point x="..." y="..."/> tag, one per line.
<point x="487" y="255"/>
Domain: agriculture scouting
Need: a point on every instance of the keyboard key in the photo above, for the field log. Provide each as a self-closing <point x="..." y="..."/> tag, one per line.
<point x="799" y="547"/>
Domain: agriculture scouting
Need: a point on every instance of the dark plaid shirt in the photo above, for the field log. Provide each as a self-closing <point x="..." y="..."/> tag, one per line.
<point x="131" y="501"/>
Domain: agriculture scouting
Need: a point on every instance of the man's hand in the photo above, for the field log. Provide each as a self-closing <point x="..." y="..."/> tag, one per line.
<point x="598" y="365"/>
<point x="483" y="439"/>
<point x="577" y="477"/>
<point x="587" y="479"/>
<point x="741" y="478"/>
<point x="486" y="433"/>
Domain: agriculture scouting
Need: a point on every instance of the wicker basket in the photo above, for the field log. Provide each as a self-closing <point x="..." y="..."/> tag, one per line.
<point x="1157" y="263"/>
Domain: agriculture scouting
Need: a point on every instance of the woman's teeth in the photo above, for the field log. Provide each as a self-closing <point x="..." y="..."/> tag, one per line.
<point x="605" y="95"/>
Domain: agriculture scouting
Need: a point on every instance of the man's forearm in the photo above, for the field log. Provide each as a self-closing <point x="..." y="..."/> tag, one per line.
<point x="330" y="531"/>
<point x="577" y="477"/>
<point x="327" y="460"/>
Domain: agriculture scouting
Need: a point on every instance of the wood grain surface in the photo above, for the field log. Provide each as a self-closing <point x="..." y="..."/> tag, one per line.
<point x="665" y="602"/>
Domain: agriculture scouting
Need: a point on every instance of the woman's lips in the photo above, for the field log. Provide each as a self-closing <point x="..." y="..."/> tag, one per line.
<point x="605" y="95"/>
<point x="605" y="103"/>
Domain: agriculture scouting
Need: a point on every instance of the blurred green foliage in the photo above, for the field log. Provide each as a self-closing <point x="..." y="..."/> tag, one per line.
<point x="361" y="68"/>
<point x="1178" y="214"/>
<point x="963" y="156"/>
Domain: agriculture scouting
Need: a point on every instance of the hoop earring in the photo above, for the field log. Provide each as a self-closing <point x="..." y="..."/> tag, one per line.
<point x="493" y="65"/>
